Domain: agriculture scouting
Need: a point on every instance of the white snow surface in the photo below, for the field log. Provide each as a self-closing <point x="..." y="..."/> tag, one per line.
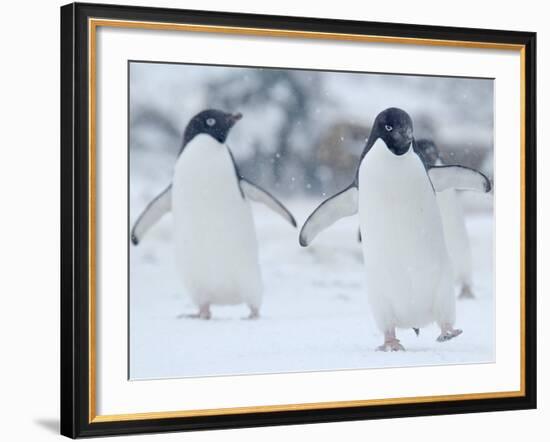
<point x="315" y="314"/>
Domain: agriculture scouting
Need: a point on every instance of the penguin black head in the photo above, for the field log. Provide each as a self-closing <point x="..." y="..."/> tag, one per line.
<point x="395" y="127"/>
<point x="213" y="122"/>
<point x="427" y="151"/>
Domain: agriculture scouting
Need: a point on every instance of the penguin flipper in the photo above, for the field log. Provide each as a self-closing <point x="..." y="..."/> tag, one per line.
<point x="154" y="211"/>
<point x="458" y="177"/>
<point x="338" y="206"/>
<point x="256" y="193"/>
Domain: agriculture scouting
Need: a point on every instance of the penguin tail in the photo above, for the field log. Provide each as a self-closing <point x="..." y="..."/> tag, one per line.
<point x="416" y="330"/>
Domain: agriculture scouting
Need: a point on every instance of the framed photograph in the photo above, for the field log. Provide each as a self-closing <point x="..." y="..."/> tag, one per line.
<point x="280" y="220"/>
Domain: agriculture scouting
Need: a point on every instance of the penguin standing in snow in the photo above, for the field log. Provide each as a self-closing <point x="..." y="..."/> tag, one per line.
<point x="215" y="237"/>
<point x="409" y="273"/>
<point x="454" y="225"/>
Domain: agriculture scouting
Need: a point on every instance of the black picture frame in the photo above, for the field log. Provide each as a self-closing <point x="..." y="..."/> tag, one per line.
<point x="75" y="221"/>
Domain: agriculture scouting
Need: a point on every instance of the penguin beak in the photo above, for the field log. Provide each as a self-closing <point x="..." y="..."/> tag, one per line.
<point x="233" y="118"/>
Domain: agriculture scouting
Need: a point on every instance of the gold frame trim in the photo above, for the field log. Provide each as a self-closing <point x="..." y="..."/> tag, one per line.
<point x="93" y="24"/>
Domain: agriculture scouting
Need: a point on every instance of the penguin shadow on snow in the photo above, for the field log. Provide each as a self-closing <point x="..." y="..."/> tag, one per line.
<point x="409" y="273"/>
<point x="214" y="231"/>
<point x="217" y="318"/>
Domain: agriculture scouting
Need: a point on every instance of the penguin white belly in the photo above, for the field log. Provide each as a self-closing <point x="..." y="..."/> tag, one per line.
<point x="456" y="236"/>
<point x="215" y="238"/>
<point x="409" y="277"/>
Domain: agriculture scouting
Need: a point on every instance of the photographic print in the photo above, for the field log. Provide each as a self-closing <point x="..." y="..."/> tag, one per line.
<point x="287" y="220"/>
<point x="274" y="220"/>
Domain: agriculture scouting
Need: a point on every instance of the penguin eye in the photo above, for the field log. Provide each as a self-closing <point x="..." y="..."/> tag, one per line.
<point x="388" y="127"/>
<point x="211" y="121"/>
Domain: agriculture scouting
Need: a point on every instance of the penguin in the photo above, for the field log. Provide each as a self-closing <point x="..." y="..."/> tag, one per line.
<point x="214" y="233"/>
<point x="454" y="225"/>
<point x="408" y="269"/>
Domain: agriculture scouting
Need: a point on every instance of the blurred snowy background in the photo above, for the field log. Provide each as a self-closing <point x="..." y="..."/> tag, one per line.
<point x="300" y="138"/>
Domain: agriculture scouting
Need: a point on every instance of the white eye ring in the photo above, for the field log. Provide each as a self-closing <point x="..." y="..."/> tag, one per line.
<point x="388" y="127"/>
<point x="211" y="121"/>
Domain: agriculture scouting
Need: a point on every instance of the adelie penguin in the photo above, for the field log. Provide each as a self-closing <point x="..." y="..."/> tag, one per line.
<point x="214" y="232"/>
<point x="454" y="225"/>
<point x="408" y="271"/>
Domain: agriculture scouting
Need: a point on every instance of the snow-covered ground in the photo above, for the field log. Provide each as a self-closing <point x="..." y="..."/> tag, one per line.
<point x="315" y="314"/>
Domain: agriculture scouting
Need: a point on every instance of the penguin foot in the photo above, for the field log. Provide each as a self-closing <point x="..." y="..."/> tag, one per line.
<point x="254" y="314"/>
<point x="204" y="313"/>
<point x="194" y="316"/>
<point x="391" y="345"/>
<point x="466" y="292"/>
<point x="447" y="335"/>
